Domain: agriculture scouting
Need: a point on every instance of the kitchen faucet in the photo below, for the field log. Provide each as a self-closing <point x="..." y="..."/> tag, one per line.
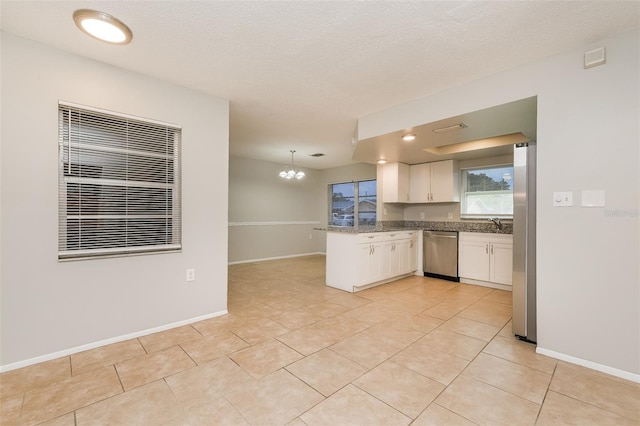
<point x="496" y="221"/>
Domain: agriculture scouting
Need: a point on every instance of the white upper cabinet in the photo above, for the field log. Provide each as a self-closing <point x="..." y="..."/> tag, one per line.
<point x="437" y="182"/>
<point x="395" y="183"/>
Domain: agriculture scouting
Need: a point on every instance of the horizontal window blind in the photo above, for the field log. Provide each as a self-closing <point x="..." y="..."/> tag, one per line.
<point x="119" y="184"/>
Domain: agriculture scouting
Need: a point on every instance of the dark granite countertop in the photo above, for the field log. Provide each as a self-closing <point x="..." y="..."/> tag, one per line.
<point x="460" y="226"/>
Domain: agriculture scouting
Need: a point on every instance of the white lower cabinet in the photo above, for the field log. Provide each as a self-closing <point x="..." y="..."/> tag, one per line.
<point x="485" y="257"/>
<point x="358" y="261"/>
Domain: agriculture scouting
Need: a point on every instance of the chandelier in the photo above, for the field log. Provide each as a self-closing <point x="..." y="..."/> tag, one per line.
<point x="291" y="172"/>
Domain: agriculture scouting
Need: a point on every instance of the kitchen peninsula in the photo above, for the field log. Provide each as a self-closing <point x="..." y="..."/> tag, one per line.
<point x="364" y="257"/>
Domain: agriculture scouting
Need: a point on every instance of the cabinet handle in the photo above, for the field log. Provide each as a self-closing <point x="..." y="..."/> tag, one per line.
<point x="486" y="249"/>
<point x="491" y="248"/>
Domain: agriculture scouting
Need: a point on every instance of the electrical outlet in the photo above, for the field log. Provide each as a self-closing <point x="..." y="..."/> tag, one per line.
<point x="421" y="215"/>
<point x="449" y="215"/>
<point x="310" y="236"/>
<point x="191" y="274"/>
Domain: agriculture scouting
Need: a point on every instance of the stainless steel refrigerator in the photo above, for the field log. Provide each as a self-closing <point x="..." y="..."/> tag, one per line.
<point x="524" y="242"/>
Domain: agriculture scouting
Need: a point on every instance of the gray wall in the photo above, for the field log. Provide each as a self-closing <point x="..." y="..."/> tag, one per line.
<point x="271" y="217"/>
<point x="49" y="307"/>
<point x="588" y="293"/>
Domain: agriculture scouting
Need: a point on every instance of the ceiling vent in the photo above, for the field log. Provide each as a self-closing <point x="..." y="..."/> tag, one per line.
<point x="317" y="154"/>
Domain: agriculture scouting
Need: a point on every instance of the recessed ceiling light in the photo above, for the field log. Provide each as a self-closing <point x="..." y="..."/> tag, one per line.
<point x="450" y="128"/>
<point x="409" y="137"/>
<point x="382" y="161"/>
<point x="102" y="26"/>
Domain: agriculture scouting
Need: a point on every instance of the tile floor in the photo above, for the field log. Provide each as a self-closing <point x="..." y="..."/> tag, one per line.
<point x="292" y="351"/>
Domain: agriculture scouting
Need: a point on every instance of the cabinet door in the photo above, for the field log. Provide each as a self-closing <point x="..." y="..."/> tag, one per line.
<point x="413" y="255"/>
<point x="420" y="183"/>
<point x="445" y="181"/>
<point x="395" y="183"/>
<point x="473" y="262"/>
<point x="501" y="263"/>
<point x="379" y="262"/>
<point x="364" y="260"/>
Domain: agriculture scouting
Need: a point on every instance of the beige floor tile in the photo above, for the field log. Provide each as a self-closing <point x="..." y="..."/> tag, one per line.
<point x="369" y="314"/>
<point x="274" y="399"/>
<point x="443" y="310"/>
<point x="562" y="410"/>
<point x="215" y="412"/>
<point x="507" y="330"/>
<point x="296" y="422"/>
<point x="308" y="340"/>
<point x="352" y="406"/>
<point x="435" y="415"/>
<point x="105" y="356"/>
<point x="326" y="309"/>
<point x="34" y="376"/>
<point x="470" y="328"/>
<point x="207" y="382"/>
<point x="520" y="352"/>
<point x="68" y="419"/>
<point x="349" y="300"/>
<point x="525" y="382"/>
<point x="265" y="357"/>
<point x="297" y="318"/>
<point x="284" y="304"/>
<point x="499" y="296"/>
<point x="258" y="310"/>
<point x="165" y="339"/>
<point x="592" y="387"/>
<point x="153" y="403"/>
<point x="437" y="365"/>
<point x="217" y="326"/>
<point x="403" y="389"/>
<point x="11" y="408"/>
<point x="484" y="404"/>
<point x="394" y="333"/>
<point x="491" y="313"/>
<point x="326" y="371"/>
<point x="365" y="350"/>
<point x="422" y="323"/>
<point x="400" y="307"/>
<point x="418" y="304"/>
<point x="208" y="348"/>
<point x="54" y="400"/>
<point x="151" y="367"/>
<point x="454" y="343"/>
<point x="341" y="326"/>
<point x="258" y="331"/>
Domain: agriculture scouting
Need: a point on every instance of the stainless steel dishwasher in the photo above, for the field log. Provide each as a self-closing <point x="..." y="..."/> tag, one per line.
<point x="440" y="254"/>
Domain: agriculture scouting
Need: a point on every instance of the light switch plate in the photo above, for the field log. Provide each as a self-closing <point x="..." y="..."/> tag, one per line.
<point x="563" y="199"/>
<point x="592" y="198"/>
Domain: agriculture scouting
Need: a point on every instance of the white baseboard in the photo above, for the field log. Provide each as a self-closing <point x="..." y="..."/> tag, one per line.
<point x="486" y="284"/>
<point x="82" y="348"/>
<point x="276" y="258"/>
<point x="588" y="364"/>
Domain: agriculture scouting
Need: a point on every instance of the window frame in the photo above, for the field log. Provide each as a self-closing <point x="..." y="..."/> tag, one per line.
<point x="356" y="203"/>
<point x="151" y="210"/>
<point x="463" y="192"/>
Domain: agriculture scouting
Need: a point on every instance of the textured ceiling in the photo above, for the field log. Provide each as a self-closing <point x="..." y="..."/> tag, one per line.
<point x="298" y="74"/>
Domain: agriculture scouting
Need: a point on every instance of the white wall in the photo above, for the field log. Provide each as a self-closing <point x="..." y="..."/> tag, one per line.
<point x="50" y="307"/>
<point x="588" y="138"/>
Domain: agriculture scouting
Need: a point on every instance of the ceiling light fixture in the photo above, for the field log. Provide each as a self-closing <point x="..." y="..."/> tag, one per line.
<point x="382" y="161"/>
<point x="291" y="172"/>
<point x="102" y="26"/>
<point x="409" y="137"/>
<point x="450" y="128"/>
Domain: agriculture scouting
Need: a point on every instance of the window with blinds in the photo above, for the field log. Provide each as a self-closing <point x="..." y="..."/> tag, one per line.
<point x="119" y="184"/>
